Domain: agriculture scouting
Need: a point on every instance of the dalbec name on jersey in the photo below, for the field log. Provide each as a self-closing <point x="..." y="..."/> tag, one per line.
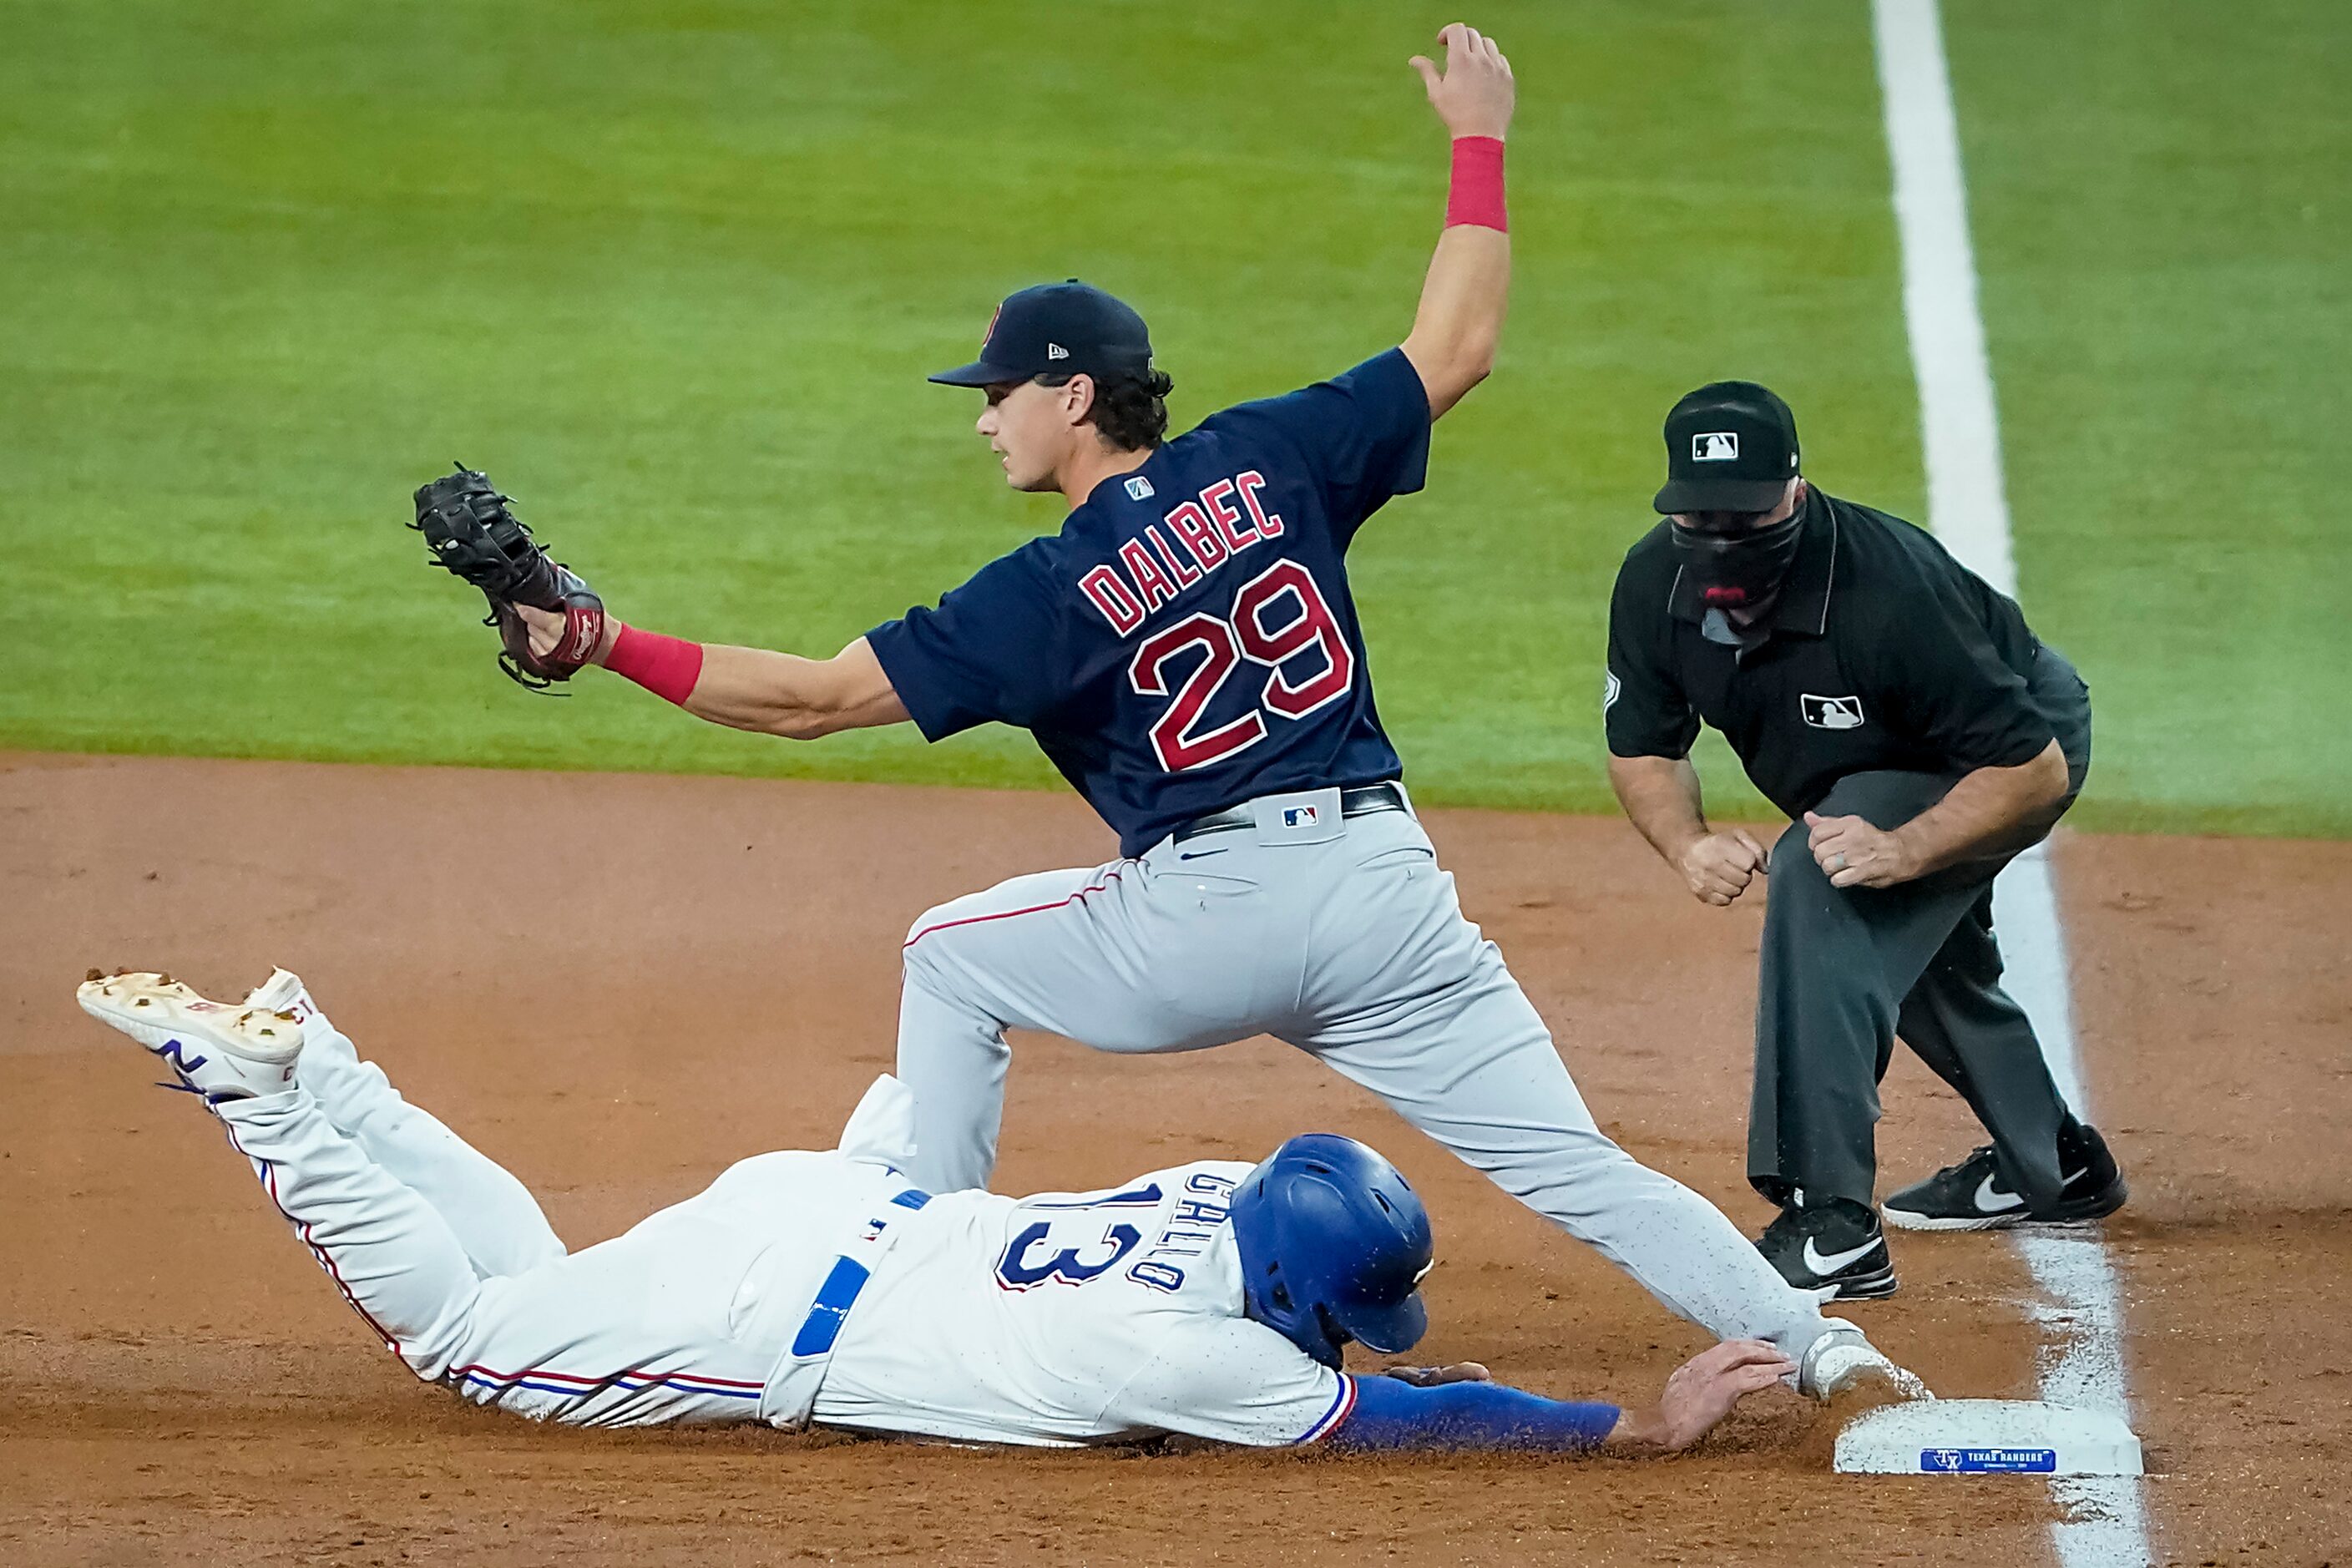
<point x="1211" y="530"/>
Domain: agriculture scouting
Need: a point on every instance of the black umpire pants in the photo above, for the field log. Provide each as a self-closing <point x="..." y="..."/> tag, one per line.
<point x="1845" y="971"/>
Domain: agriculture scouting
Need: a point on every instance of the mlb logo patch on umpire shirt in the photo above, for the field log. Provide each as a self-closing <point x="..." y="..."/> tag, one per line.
<point x="1831" y="713"/>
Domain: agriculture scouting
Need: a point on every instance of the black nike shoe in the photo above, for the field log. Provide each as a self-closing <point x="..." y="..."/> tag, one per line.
<point x="1974" y="1195"/>
<point x="1837" y="1243"/>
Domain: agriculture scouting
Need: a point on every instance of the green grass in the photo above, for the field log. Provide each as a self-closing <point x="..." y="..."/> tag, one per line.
<point x="674" y="272"/>
<point x="2163" y="217"/>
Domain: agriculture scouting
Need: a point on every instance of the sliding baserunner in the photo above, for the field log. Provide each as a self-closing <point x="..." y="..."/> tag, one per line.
<point x="1187" y="651"/>
<point x="1211" y="1299"/>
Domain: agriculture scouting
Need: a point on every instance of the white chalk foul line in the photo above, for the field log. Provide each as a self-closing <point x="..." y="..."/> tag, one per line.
<point x="2082" y="1357"/>
<point x="1960" y="432"/>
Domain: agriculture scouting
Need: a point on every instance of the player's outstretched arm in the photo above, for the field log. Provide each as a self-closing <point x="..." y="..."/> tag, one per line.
<point x="1451" y="344"/>
<point x="746" y="688"/>
<point x="1469" y="1413"/>
<point x="1700" y="1392"/>
<point x="785" y="694"/>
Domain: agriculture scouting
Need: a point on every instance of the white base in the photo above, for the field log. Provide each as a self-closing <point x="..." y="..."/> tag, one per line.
<point x="1987" y="1436"/>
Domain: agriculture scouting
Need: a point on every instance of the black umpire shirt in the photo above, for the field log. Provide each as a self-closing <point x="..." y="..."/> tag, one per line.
<point x="1881" y="652"/>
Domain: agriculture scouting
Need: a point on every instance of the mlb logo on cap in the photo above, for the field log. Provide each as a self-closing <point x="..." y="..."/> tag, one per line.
<point x="1731" y="446"/>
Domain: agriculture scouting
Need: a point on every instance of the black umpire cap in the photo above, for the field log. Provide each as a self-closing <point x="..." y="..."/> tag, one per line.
<point x="1057" y="329"/>
<point x="1731" y="446"/>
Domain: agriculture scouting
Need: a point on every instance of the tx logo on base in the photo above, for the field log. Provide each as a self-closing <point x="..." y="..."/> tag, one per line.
<point x="1989" y="1462"/>
<point x="1831" y="713"/>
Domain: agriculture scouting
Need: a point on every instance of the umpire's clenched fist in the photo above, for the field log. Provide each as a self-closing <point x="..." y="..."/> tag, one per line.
<point x="1719" y="866"/>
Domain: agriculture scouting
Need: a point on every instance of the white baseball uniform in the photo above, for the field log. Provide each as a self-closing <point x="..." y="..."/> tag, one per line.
<point x="798" y="1288"/>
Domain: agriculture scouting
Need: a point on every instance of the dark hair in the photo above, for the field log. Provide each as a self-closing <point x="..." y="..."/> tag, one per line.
<point x="1130" y="411"/>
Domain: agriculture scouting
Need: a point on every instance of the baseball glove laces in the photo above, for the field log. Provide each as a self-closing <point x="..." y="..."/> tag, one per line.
<point x="473" y="532"/>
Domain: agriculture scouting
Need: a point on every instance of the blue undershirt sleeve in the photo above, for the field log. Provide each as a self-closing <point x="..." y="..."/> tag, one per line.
<point x="1391" y="1413"/>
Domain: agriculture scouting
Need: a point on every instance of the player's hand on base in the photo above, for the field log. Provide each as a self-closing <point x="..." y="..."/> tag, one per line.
<point x="1701" y="1392"/>
<point x="1430" y="1376"/>
<point x="546" y="630"/>
<point x="1719" y="866"/>
<point x="1855" y="854"/>
<point x="1475" y="95"/>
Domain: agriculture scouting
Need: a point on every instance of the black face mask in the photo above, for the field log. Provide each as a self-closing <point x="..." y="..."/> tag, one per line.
<point x="1740" y="571"/>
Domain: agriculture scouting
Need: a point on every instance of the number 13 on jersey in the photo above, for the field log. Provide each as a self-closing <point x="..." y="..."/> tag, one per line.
<point x="1060" y="1248"/>
<point x="1279" y="617"/>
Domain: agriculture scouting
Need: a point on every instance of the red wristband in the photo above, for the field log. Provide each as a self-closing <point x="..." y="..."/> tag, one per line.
<point x="667" y="667"/>
<point x="1476" y="196"/>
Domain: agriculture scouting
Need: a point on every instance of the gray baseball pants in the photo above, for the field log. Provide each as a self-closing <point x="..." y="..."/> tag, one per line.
<point x="1344" y="938"/>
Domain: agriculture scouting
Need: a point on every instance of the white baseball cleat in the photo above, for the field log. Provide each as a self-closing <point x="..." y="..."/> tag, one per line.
<point x="218" y="1051"/>
<point x="1844" y="1358"/>
<point x="283" y="992"/>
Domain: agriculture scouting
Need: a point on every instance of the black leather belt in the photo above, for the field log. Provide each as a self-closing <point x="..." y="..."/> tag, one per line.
<point x="1359" y="800"/>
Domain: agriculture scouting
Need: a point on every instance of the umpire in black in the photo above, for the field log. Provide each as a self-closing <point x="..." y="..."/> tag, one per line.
<point x="1919" y="736"/>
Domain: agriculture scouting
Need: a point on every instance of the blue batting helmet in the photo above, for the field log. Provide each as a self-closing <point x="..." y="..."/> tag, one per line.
<point x="1334" y="1243"/>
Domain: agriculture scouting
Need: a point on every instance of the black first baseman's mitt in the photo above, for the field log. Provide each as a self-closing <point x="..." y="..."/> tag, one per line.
<point x="465" y="521"/>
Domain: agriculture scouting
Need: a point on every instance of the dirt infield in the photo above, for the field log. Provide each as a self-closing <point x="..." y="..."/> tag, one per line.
<point x="617" y="985"/>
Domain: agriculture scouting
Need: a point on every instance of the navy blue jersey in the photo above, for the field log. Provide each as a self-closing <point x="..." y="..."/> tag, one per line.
<point x="1187" y="642"/>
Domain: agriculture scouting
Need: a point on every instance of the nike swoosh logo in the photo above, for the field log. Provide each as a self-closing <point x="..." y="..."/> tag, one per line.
<point x="1197" y="854"/>
<point x="1992" y="1200"/>
<point x="1837" y="1260"/>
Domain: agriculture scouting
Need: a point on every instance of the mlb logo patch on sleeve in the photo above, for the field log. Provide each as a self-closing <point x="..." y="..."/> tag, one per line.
<point x="1831" y="713"/>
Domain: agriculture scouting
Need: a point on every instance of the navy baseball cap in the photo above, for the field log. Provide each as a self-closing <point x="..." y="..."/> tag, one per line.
<point x="1731" y="446"/>
<point x="1057" y="329"/>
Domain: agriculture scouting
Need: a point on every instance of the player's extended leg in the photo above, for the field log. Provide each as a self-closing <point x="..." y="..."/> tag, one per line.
<point x="634" y="1332"/>
<point x="631" y="1333"/>
<point x="389" y="1253"/>
<point x="1452" y="1044"/>
<point x="492" y="1214"/>
<point x="1106" y="957"/>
